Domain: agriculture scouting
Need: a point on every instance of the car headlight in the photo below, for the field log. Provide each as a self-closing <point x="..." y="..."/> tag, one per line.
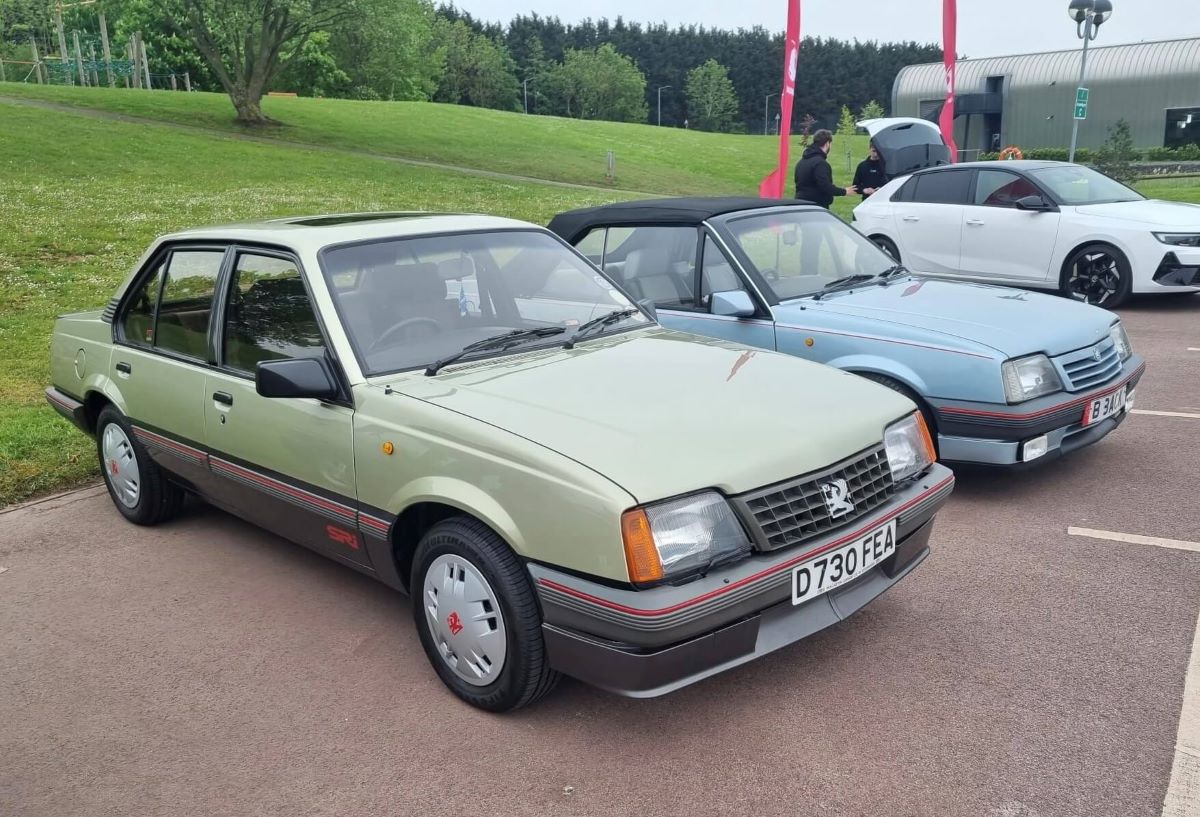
<point x="909" y="447"/>
<point x="1121" y="341"/>
<point x="1179" y="239"/>
<point x="672" y="539"/>
<point x="1028" y="377"/>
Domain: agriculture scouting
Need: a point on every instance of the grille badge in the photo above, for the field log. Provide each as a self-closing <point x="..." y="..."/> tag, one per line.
<point x="837" y="498"/>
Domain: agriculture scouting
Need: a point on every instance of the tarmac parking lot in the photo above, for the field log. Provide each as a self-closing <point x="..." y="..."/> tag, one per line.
<point x="1036" y="664"/>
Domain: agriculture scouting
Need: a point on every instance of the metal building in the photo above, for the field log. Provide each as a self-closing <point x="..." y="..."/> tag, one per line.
<point x="1028" y="99"/>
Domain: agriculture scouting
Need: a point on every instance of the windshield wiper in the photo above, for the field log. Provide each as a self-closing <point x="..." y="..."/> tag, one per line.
<point x="839" y="283"/>
<point x="596" y="324"/>
<point x="891" y="272"/>
<point x="495" y="342"/>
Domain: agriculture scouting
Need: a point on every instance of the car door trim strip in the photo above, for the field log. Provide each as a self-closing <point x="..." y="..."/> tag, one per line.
<point x="282" y="490"/>
<point x="153" y="440"/>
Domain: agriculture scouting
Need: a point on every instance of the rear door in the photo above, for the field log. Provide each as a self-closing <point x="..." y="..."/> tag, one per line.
<point x="286" y="464"/>
<point x="928" y="215"/>
<point x="1000" y="242"/>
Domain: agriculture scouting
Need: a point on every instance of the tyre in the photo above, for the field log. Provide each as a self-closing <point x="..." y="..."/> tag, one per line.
<point x="897" y="386"/>
<point x="477" y="617"/>
<point x="888" y="246"/>
<point x="137" y="486"/>
<point x="1097" y="274"/>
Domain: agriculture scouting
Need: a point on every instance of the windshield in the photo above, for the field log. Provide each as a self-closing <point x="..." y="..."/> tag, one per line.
<point x="1076" y="185"/>
<point x="799" y="252"/>
<point x="406" y="302"/>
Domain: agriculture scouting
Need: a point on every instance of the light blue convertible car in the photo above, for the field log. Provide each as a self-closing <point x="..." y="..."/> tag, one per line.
<point x="1004" y="377"/>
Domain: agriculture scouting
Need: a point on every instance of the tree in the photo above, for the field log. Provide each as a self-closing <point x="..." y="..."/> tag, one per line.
<point x="600" y="84"/>
<point x="314" y="71"/>
<point x="244" y="41"/>
<point x="846" y="126"/>
<point x="872" y="110"/>
<point x="478" y="71"/>
<point x="711" y="101"/>
<point x="1117" y="154"/>
<point x="390" y="50"/>
<point x="806" y="126"/>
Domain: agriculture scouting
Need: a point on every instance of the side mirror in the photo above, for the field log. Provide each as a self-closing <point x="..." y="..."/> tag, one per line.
<point x="733" y="304"/>
<point x="648" y="305"/>
<point x="295" y="377"/>
<point x="1034" y="203"/>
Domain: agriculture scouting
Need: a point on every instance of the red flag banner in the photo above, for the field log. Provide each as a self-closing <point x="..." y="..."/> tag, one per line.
<point x="949" y="55"/>
<point x="772" y="185"/>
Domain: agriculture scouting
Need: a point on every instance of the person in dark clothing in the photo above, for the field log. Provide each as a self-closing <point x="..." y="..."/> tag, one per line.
<point x="871" y="174"/>
<point x="814" y="176"/>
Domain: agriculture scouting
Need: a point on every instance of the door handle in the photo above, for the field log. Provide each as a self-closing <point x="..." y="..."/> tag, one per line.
<point x="975" y="222"/>
<point x="911" y="218"/>
<point x="223" y="397"/>
<point x="124" y="368"/>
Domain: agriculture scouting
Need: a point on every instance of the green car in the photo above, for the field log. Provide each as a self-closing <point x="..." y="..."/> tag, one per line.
<point x="466" y="409"/>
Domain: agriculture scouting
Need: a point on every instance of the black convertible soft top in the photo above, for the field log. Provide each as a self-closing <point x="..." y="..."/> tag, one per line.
<point x="574" y="224"/>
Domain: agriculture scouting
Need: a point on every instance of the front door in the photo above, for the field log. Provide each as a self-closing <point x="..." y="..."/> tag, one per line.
<point x="1000" y="242"/>
<point x="285" y="464"/>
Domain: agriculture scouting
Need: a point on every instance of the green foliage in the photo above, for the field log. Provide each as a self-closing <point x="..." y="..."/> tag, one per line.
<point x="1183" y="153"/>
<point x="478" y="70"/>
<point x="314" y="70"/>
<point x="872" y="110"/>
<point x="599" y="84"/>
<point x="1083" y="156"/>
<point x="389" y="50"/>
<point x="168" y="50"/>
<point x="711" y="100"/>
<point x="846" y="126"/>
<point x="1117" y="155"/>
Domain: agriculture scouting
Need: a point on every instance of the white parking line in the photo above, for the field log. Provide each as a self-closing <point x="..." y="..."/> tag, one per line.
<point x="1183" y="790"/>
<point x="1194" y="349"/>
<point x="1167" y="413"/>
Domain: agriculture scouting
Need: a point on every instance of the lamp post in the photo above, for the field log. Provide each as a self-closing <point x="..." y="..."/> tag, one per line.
<point x="766" y="114"/>
<point x="661" y="88"/>
<point x="525" y="91"/>
<point x="1088" y="16"/>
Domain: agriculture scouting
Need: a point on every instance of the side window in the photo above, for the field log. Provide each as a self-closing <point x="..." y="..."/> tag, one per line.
<point x="187" y="298"/>
<point x="269" y="315"/>
<point x="943" y="187"/>
<point x="716" y="272"/>
<point x="592" y="245"/>
<point x="658" y="263"/>
<point x="996" y="188"/>
<point x="138" y="323"/>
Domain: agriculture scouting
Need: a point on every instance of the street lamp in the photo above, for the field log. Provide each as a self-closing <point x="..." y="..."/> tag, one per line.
<point x="766" y="113"/>
<point x="525" y="90"/>
<point x="1088" y="16"/>
<point x="661" y="88"/>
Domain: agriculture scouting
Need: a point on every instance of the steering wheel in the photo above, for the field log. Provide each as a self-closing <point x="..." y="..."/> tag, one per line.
<point x="401" y="326"/>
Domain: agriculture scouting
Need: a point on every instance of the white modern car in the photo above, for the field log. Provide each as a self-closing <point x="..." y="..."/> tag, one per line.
<point x="1043" y="225"/>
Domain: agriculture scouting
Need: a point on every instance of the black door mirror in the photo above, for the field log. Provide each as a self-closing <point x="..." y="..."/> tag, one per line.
<point x="295" y="377"/>
<point x="1032" y="203"/>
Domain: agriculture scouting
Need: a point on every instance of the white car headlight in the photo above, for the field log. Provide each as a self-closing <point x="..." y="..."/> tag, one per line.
<point x="670" y="539"/>
<point x="1121" y="341"/>
<point x="1179" y="239"/>
<point x="1028" y="377"/>
<point x="909" y="447"/>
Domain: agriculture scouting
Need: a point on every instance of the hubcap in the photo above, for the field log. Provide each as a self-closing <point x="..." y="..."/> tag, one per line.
<point x="463" y="616"/>
<point x="120" y="466"/>
<point x="1094" y="278"/>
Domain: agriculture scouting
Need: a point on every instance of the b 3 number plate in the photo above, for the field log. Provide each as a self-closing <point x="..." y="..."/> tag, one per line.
<point x="1104" y="407"/>
<point x="836" y="567"/>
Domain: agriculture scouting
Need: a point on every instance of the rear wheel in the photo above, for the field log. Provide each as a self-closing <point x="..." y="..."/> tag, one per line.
<point x="137" y="486"/>
<point x="477" y="617"/>
<point x="888" y="246"/>
<point x="1097" y="274"/>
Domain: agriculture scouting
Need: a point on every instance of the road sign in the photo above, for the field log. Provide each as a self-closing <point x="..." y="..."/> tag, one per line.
<point x="1081" y="111"/>
<point x="1081" y="96"/>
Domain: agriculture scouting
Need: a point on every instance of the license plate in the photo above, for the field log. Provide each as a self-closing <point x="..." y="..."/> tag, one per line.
<point x="834" y="568"/>
<point x="1104" y="407"/>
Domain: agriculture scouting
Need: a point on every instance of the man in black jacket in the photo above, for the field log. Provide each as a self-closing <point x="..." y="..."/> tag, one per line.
<point x="814" y="176"/>
<point x="871" y="174"/>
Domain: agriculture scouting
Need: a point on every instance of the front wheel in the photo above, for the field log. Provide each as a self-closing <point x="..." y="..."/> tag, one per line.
<point x="477" y="617"/>
<point x="1099" y="275"/>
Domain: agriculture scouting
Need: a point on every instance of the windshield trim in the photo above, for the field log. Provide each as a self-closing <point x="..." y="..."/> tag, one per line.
<point x="369" y="373"/>
<point x="1036" y="175"/>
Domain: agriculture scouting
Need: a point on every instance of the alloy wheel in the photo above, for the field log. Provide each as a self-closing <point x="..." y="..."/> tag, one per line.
<point x="1095" y="278"/>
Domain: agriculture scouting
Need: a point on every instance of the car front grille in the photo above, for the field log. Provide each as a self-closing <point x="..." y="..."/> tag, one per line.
<point x="1089" y="367"/>
<point x="795" y="511"/>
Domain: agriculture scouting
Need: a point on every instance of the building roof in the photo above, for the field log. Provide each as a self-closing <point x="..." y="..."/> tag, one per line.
<point x="573" y="224"/>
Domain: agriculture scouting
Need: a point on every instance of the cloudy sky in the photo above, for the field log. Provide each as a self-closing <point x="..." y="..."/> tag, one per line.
<point x="984" y="28"/>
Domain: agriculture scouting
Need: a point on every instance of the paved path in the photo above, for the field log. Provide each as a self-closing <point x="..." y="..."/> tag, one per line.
<point x="208" y="668"/>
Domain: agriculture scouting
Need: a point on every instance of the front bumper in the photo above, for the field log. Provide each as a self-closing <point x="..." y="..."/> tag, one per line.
<point x="644" y="643"/>
<point x="1179" y="268"/>
<point x="990" y="434"/>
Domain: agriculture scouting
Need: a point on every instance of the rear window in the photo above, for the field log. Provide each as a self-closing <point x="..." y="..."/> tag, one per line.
<point x="943" y="187"/>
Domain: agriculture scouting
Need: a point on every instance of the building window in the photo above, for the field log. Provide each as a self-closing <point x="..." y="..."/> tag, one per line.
<point x="1183" y="127"/>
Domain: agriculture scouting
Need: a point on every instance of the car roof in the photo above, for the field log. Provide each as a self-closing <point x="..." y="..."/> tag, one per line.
<point x="317" y="231"/>
<point x="572" y="224"/>
<point x="998" y="164"/>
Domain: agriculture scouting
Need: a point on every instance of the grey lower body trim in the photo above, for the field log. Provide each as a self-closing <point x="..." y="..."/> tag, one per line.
<point x="647" y="674"/>
<point x="1059" y="441"/>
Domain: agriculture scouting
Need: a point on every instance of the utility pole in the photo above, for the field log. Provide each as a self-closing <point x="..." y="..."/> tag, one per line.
<point x="661" y="88"/>
<point x="107" y="50"/>
<point x="79" y="60"/>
